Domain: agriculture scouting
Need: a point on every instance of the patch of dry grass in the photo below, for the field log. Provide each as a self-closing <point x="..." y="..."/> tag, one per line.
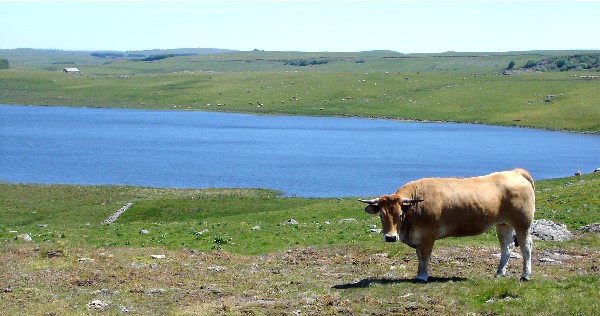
<point x="328" y="280"/>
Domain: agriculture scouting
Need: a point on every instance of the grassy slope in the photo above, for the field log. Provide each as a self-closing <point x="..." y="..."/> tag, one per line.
<point x="458" y="87"/>
<point x="232" y="269"/>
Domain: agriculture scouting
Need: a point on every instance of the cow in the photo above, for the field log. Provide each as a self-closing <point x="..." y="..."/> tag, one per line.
<point x="425" y="210"/>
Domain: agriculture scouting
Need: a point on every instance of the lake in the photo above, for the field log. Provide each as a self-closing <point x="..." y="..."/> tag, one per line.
<point x="300" y="156"/>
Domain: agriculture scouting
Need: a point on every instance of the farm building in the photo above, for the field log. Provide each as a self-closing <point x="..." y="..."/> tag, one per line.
<point x="71" y="70"/>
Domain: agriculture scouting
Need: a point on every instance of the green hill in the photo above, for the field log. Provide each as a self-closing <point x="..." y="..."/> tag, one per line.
<point x="452" y="86"/>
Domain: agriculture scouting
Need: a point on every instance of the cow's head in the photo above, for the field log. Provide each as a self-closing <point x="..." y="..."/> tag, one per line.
<point x="390" y="208"/>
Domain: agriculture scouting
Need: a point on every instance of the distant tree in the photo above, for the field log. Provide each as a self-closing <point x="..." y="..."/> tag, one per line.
<point x="157" y="57"/>
<point x="530" y="64"/>
<point x="107" y="55"/>
<point x="511" y="64"/>
<point x="4" y="63"/>
<point x="561" y="63"/>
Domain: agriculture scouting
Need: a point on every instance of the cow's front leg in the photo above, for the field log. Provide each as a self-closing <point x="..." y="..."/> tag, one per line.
<point x="424" y="254"/>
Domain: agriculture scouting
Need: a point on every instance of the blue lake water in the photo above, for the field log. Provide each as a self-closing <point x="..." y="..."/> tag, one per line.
<point x="301" y="156"/>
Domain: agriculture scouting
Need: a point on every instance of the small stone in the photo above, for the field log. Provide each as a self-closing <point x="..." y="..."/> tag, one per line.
<point x="154" y="292"/>
<point x="144" y="232"/>
<point x="125" y="309"/>
<point x="548" y="260"/>
<point x="106" y="292"/>
<point x="54" y="254"/>
<point x="25" y="237"/>
<point x="217" y="268"/>
<point x="347" y="220"/>
<point x="290" y="222"/>
<point x="591" y="228"/>
<point x="85" y="259"/>
<point x="202" y="232"/>
<point x="256" y="228"/>
<point x="158" y="256"/>
<point x="97" y="304"/>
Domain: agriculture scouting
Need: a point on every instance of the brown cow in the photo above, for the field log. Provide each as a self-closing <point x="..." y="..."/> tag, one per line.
<point x="425" y="210"/>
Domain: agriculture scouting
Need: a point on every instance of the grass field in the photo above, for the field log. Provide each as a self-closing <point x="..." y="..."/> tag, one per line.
<point x="231" y="252"/>
<point x="234" y="251"/>
<point x="456" y="87"/>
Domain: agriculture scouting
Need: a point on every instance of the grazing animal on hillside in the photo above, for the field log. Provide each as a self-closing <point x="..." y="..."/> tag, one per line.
<point x="425" y="210"/>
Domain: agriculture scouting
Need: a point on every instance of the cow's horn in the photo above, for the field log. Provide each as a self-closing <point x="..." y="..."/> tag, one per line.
<point x="411" y="201"/>
<point x="371" y="202"/>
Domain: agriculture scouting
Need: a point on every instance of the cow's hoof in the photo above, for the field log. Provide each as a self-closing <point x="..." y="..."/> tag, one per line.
<point x="421" y="279"/>
<point x="524" y="279"/>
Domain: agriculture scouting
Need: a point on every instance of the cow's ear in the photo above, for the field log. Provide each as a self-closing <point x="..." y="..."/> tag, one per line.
<point x="372" y="209"/>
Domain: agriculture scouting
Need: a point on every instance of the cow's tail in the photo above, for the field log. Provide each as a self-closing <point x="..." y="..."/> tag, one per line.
<point x="527" y="176"/>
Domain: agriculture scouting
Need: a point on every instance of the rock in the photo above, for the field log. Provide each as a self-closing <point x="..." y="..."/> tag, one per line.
<point x="591" y="228"/>
<point x="372" y="226"/>
<point x="347" y="220"/>
<point x="217" y="268"/>
<point x="25" y="237"/>
<point x="42" y="225"/>
<point x="54" y="254"/>
<point x="547" y="230"/>
<point x="256" y="228"/>
<point x="513" y="255"/>
<point x="597" y="170"/>
<point x="125" y="309"/>
<point x="577" y="173"/>
<point x="548" y="260"/>
<point x="113" y="217"/>
<point x="106" y="292"/>
<point x="375" y="230"/>
<point x="202" y="232"/>
<point x="154" y="292"/>
<point x="85" y="260"/>
<point x="290" y="222"/>
<point x="144" y="232"/>
<point x="158" y="256"/>
<point x="97" y="304"/>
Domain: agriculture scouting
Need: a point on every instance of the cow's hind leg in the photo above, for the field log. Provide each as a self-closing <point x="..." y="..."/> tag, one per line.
<point x="424" y="254"/>
<point x="524" y="240"/>
<point x="505" y="237"/>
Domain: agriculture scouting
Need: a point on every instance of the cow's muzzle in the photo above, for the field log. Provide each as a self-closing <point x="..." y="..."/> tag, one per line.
<point x="391" y="238"/>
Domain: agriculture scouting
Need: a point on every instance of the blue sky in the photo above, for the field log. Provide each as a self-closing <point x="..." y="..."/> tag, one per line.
<point x="403" y="26"/>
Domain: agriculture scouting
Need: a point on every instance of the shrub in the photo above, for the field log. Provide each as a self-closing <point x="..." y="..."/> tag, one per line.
<point x="530" y="64"/>
<point x="4" y="63"/>
<point x="511" y="64"/>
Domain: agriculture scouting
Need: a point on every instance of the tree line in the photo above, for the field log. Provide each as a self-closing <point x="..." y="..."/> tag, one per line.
<point x="562" y="63"/>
